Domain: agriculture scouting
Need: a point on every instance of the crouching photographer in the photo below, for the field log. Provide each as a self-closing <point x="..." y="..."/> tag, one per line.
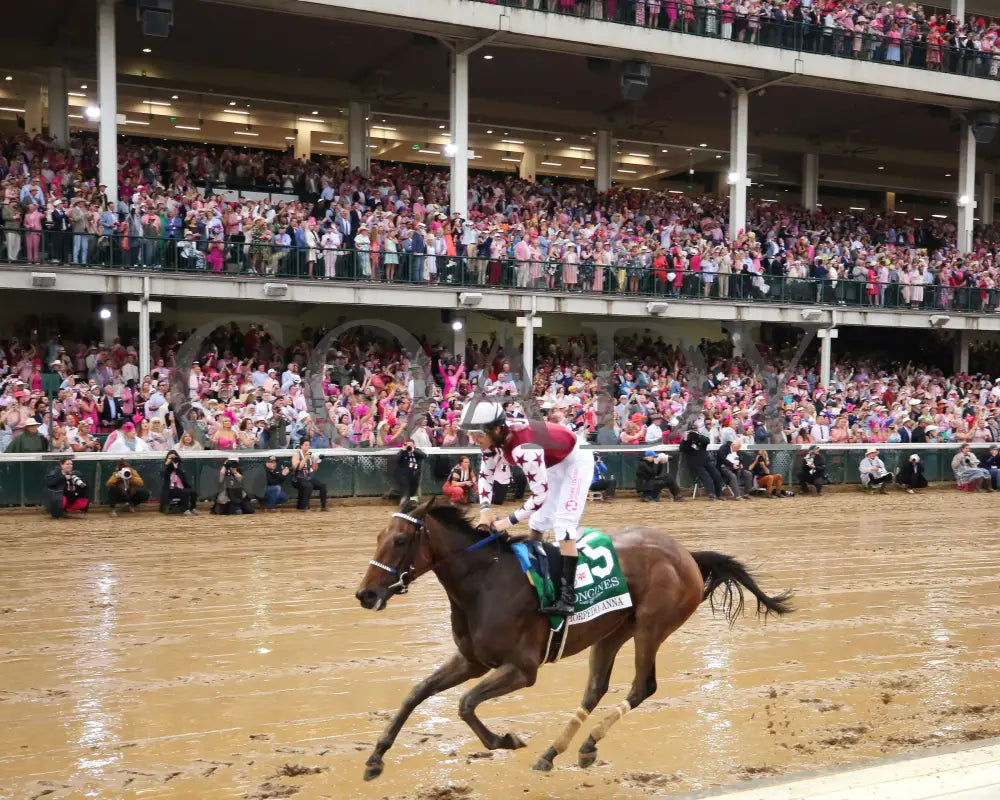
<point x="65" y="490"/>
<point x="232" y="497"/>
<point x="177" y="491"/>
<point x="603" y="480"/>
<point x="125" y="486"/>
<point x="652" y="477"/>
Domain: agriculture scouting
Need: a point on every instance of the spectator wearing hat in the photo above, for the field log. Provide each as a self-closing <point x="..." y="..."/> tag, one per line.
<point x="274" y="494"/>
<point x="125" y="486"/>
<point x="874" y="475"/>
<point x="65" y="490"/>
<point x="29" y="440"/>
<point x="813" y="471"/>
<point x="652" y="477"/>
<point x="911" y="474"/>
<point x="58" y="226"/>
<point x="127" y="441"/>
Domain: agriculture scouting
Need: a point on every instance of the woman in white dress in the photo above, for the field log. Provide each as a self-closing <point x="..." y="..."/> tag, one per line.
<point x="362" y="243"/>
<point x="331" y="242"/>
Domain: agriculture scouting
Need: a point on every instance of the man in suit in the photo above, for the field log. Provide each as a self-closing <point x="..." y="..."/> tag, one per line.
<point x="418" y="247"/>
<point x="348" y="227"/>
<point x="58" y="228"/>
<point x="301" y="247"/>
<point x="906" y="432"/>
<point x="110" y="410"/>
<point x="918" y="435"/>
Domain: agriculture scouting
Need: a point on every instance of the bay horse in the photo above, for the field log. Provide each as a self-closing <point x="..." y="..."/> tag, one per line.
<point x="496" y="626"/>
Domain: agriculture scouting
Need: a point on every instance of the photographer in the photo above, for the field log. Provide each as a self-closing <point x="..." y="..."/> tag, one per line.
<point x="405" y="472"/>
<point x="767" y="482"/>
<point x="232" y="498"/>
<point x="694" y="446"/>
<point x="274" y="495"/>
<point x="652" y="477"/>
<point x="813" y="472"/>
<point x="176" y="488"/>
<point x="737" y="478"/>
<point x="503" y="477"/>
<point x="911" y="473"/>
<point x="603" y="480"/>
<point x="968" y="472"/>
<point x="874" y="475"/>
<point x="125" y="486"/>
<point x="304" y="465"/>
<point x="461" y="481"/>
<point x="65" y="490"/>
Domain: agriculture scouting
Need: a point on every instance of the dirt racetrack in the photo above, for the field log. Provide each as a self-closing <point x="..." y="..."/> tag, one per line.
<point x="211" y="658"/>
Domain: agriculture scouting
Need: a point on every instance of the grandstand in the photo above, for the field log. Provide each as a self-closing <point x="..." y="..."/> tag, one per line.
<point x="254" y="223"/>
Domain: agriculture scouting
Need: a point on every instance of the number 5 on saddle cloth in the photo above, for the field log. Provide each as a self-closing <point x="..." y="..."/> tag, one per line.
<point x="600" y="585"/>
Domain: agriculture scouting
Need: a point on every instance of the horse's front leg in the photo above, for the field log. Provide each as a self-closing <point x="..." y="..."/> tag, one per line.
<point x="506" y="679"/>
<point x="454" y="671"/>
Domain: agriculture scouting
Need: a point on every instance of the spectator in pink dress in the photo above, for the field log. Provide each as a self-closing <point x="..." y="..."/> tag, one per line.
<point x="33" y="238"/>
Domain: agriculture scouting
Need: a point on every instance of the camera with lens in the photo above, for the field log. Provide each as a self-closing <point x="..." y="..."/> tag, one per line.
<point x="125" y="474"/>
<point x="231" y="465"/>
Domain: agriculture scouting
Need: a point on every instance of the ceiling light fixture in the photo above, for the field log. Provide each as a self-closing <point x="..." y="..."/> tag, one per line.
<point x="187" y="127"/>
<point x="236" y="111"/>
<point x="311" y="119"/>
<point x="175" y="97"/>
<point x="581" y="149"/>
<point x="76" y="94"/>
<point x="512" y="141"/>
<point x="246" y="133"/>
<point x="134" y="122"/>
<point x="330" y="141"/>
<point x="559" y="138"/>
<point x="430" y="152"/>
<point x="155" y="103"/>
<point x="627" y="171"/>
<point x="487" y="57"/>
<point x="513" y="160"/>
<point x="640" y="155"/>
<point x="587" y="166"/>
<point x="552" y="163"/>
<point x="93" y="113"/>
<point x="382" y="128"/>
<point x="146" y="50"/>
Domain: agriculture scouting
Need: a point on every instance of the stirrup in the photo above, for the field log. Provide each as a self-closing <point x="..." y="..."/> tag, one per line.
<point x="560" y="609"/>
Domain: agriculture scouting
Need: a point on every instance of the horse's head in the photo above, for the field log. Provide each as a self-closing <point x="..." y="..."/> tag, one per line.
<point x="401" y="551"/>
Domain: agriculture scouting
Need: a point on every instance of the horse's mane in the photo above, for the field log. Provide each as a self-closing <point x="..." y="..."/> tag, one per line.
<point x="455" y="518"/>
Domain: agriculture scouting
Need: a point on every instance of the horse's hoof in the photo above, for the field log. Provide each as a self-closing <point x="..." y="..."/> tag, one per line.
<point x="587" y="758"/>
<point x="372" y="771"/>
<point x="542" y="765"/>
<point x="511" y="741"/>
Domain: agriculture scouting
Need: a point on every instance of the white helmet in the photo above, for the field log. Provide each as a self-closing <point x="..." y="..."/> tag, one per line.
<point x="481" y="415"/>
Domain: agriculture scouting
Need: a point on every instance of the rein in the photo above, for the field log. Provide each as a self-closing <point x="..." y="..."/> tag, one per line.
<point x="408" y="575"/>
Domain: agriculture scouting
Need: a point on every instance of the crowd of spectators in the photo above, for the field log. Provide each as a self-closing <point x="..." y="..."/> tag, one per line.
<point x="396" y="226"/>
<point x="892" y="33"/>
<point x="246" y="392"/>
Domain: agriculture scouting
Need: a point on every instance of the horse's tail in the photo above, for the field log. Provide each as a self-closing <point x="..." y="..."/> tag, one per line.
<point x="721" y="571"/>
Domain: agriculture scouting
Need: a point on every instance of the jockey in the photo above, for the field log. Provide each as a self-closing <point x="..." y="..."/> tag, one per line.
<point x="559" y="475"/>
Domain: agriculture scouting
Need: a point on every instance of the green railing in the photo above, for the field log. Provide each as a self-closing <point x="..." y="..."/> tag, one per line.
<point x="697" y="19"/>
<point x="269" y="261"/>
<point x="354" y="474"/>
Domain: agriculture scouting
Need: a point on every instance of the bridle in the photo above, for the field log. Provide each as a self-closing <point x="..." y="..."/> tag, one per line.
<point x="407" y="574"/>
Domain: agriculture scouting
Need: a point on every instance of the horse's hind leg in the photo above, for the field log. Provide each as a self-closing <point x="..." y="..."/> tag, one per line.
<point x="506" y="679"/>
<point x="602" y="660"/>
<point x="454" y="671"/>
<point x="643" y="685"/>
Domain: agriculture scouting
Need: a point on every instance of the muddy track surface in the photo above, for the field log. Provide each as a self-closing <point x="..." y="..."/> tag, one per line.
<point x="227" y="658"/>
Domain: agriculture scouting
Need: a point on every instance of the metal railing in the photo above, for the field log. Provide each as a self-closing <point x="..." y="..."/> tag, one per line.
<point x="349" y="473"/>
<point x="268" y="260"/>
<point x="913" y="49"/>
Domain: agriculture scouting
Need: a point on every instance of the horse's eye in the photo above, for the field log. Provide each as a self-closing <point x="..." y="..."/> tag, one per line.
<point x="399" y="541"/>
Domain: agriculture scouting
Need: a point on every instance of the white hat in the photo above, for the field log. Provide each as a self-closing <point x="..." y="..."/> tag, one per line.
<point x="915" y="458"/>
<point x="481" y="415"/>
<point x="871" y="450"/>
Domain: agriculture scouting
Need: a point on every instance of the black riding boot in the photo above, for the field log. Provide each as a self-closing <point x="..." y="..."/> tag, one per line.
<point x="564" y="605"/>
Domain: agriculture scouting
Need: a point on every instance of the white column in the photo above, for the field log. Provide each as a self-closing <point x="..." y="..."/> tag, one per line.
<point x="58" y="106"/>
<point x="966" y="187"/>
<point x="107" y="100"/>
<point x="987" y="192"/>
<point x="738" y="181"/>
<point x="144" y="343"/>
<point x="461" y="335"/>
<point x="529" y="355"/>
<point x="961" y="362"/>
<point x="357" y="137"/>
<point x="602" y="175"/>
<point x="825" y="357"/>
<point x="33" y="112"/>
<point x="109" y="326"/>
<point x="527" y="169"/>
<point x="958" y="9"/>
<point x="459" y="188"/>
<point x="810" y="181"/>
<point x="303" y="141"/>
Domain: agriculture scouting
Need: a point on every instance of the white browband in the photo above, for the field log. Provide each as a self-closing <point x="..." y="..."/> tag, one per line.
<point x="408" y="518"/>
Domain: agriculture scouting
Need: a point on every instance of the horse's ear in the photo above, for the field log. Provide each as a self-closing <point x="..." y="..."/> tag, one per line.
<point x="406" y="505"/>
